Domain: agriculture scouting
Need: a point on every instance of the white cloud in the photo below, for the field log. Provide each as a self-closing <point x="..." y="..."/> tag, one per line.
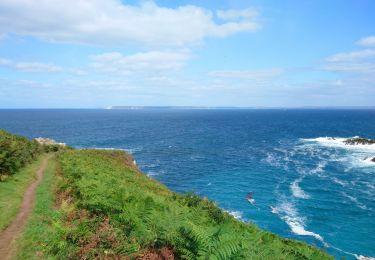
<point x="38" y="67"/>
<point x="362" y="68"/>
<point x="110" y="22"/>
<point x="360" y="63"/>
<point x="5" y="62"/>
<point x="251" y="75"/>
<point x="144" y="62"/>
<point x="30" y="66"/>
<point x="352" y="56"/>
<point x="367" y="41"/>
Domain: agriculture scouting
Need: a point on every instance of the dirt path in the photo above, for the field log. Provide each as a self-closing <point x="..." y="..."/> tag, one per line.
<point x="8" y="236"/>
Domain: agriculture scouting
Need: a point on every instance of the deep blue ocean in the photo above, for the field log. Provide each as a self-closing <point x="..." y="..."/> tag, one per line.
<point x="306" y="186"/>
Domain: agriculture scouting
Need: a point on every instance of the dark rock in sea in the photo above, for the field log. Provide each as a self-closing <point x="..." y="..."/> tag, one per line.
<point x="373" y="159"/>
<point x="358" y="140"/>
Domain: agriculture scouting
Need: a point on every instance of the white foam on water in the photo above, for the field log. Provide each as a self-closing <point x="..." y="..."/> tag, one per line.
<point x="361" y="257"/>
<point x="342" y="183"/>
<point x="339" y="142"/>
<point x="277" y="161"/>
<point x="271" y="160"/>
<point x="152" y="173"/>
<point x="355" y="201"/>
<point x="357" y="156"/>
<point x="358" y="257"/>
<point x="236" y="214"/>
<point x="368" y="162"/>
<point x="297" y="191"/>
<point x="289" y="214"/>
<point x="319" y="168"/>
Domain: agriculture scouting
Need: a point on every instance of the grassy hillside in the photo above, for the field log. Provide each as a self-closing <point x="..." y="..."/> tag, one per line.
<point x="107" y="209"/>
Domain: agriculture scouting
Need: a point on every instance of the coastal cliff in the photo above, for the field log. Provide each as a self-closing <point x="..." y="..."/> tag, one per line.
<point x="98" y="205"/>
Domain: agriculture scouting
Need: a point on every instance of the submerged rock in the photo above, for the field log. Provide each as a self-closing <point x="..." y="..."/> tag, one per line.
<point x="370" y="159"/>
<point x="358" y="140"/>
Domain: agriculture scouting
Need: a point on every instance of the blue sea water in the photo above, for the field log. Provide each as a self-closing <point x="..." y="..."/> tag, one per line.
<point x="306" y="186"/>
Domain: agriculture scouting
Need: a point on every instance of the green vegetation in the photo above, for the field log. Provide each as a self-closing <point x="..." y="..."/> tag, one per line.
<point x="12" y="191"/>
<point x="32" y="243"/>
<point x="96" y="205"/>
<point x="15" y="152"/>
<point x="108" y="209"/>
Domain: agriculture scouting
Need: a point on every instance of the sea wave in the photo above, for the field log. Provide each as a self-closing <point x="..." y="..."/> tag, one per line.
<point x="287" y="212"/>
<point x="340" y="142"/>
<point x="356" y="156"/>
<point x="319" y="168"/>
<point x="297" y="191"/>
<point x="361" y="257"/>
<point x="338" y="181"/>
<point x="355" y="201"/>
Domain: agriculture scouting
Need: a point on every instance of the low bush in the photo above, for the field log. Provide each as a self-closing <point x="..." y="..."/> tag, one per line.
<point x="15" y="152"/>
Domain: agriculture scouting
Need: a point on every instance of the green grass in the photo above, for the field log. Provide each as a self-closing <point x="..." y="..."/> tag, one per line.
<point x="33" y="241"/>
<point x="109" y="209"/>
<point x="12" y="190"/>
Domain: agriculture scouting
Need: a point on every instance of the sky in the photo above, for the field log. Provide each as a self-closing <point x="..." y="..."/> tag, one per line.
<point x="254" y="53"/>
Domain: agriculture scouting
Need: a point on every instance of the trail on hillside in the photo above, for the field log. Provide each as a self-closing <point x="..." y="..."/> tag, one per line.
<point x="9" y="235"/>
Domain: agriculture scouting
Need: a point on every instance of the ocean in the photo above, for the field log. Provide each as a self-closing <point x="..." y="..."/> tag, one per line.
<point x="306" y="183"/>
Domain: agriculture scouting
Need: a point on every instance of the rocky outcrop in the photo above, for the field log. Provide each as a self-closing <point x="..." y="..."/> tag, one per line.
<point x="370" y="159"/>
<point x="358" y="140"/>
<point x="48" y="141"/>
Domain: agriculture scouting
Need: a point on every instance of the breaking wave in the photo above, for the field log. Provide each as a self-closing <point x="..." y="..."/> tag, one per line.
<point x="287" y="212"/>
<point x="340" y="142"/>
<point x="297" y="191"/>
<point x="356" y="156"/>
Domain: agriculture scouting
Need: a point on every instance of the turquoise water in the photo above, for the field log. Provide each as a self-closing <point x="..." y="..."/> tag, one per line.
<point x="306" y="186"/>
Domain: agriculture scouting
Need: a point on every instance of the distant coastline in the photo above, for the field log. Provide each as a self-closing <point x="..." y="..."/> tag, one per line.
<point x="194" y="108"/>
<point x="233" y="107"/>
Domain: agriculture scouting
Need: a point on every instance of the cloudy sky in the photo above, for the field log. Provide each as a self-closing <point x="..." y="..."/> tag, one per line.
<point x="99" y="53"/>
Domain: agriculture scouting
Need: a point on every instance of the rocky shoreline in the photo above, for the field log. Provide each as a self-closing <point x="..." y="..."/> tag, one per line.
<point x="361" y="141"/>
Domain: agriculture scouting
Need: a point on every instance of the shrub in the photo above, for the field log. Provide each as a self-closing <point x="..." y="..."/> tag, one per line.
<point x="15" y="152"/>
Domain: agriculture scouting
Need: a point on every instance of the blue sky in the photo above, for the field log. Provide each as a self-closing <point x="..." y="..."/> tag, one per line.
<point x="99" y="53"/>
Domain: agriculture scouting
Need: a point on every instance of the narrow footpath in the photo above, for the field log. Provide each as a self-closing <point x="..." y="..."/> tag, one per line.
<point x="9" y="235"/>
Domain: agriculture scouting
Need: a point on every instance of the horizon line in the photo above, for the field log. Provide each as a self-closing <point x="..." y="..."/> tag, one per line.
<point x="187" y="107"/>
